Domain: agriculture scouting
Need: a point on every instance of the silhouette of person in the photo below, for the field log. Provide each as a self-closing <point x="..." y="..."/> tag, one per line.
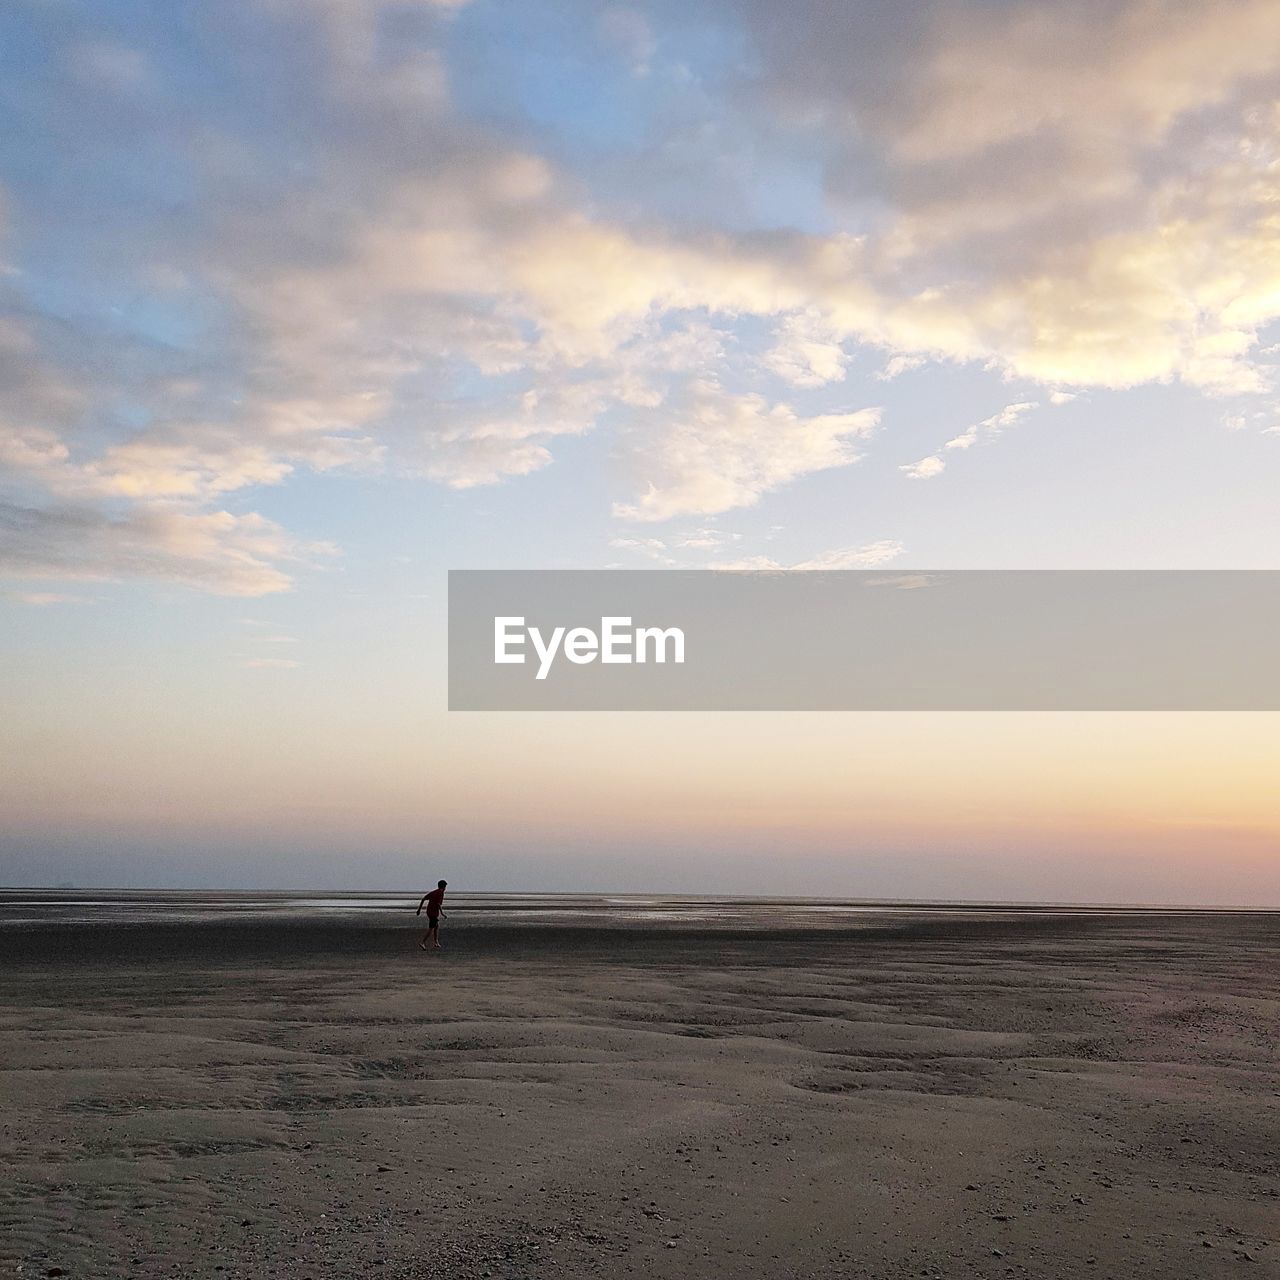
<point x="434" y="903"/>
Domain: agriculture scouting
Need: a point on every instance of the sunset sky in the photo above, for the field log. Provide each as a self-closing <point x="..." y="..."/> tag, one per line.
<point x="305" y="302"/>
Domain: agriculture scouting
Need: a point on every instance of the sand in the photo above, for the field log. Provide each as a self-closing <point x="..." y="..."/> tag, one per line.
<point x="994" y="1095"/>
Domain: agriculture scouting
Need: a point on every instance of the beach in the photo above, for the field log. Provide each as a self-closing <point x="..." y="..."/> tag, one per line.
<point x="924" y="1092"/>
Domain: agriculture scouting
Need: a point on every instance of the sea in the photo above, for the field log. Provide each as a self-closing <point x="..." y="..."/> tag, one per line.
<point x="34" y="907"/>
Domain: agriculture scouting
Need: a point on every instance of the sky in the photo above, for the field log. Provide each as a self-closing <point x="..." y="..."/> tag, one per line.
<point x="305" y="302"/>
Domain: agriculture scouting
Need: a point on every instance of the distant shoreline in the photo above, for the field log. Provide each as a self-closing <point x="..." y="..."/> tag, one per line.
<point x="531" y="899"/>
<point x="473" y="929"/>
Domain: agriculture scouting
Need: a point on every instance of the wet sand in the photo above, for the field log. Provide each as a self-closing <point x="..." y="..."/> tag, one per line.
<point x="940" y="1095"/>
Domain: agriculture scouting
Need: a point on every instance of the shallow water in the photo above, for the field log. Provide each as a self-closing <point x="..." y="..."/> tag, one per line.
<point x="24" y="907"/>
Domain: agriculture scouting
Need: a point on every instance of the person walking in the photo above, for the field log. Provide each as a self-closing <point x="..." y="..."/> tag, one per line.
<point x="434" y="903"/>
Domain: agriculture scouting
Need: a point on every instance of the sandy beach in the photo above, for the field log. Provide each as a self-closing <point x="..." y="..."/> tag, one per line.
<point x="936" y="1094"/>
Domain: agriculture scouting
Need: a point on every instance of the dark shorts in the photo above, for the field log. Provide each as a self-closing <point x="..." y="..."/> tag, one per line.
<point x="433" y="922"/>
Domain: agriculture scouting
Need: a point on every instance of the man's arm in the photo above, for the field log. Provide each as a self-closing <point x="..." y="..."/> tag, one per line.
<point x="422" y="904"/>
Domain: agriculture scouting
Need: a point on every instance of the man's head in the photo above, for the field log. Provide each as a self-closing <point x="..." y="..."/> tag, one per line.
<point x="442" y="884"/>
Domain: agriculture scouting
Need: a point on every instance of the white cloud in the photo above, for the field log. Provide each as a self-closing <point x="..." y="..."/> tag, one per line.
<point x="807" y="351"/>
<point x="1074" y="195"/>
<point x="183" y="467"/>
<point x="898" y="365"/>
<point x="651" y="548"/>
<point x="992" y="426"/>
<point x="31" y="448"/>
<point x="1110" y="77"/>
<point x="42" y="599"/>
<point x="720" y="451"/>
<point x="706" y="539"/>
<point x="1082" y="194"/>
<point x="870" y="556"/>
<point x="925" y="469"/>
<point x="215" y="551"/>
<point x="1245" y="419"/>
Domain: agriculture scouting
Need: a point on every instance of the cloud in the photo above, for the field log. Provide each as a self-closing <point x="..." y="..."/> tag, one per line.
<point x="351" y="301"/>
<point x="706" y="539"/>
<point x="42" y="599"/>
<point x="925" y="469"/>
<point x="807" y="351"/>
<point x="1248" y="418"/>
<point x="650" y="548"/>
<point x="276" y="664"/>
<point x="376" y="310"/>
<point x="185" y="467"/>
<point x="488" y="442"/>
<point x="898" y="365"/>
<point x="1099" y="76"/>
<point x="869" y="556"/>
<point x="215" y="551"/>
<point x="989" y="427"/>
<point x="725" y="451"/>
<point x="1087" y="86"/>
<point x="1082" y="194"/>
<point x="1070" y="195"/>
